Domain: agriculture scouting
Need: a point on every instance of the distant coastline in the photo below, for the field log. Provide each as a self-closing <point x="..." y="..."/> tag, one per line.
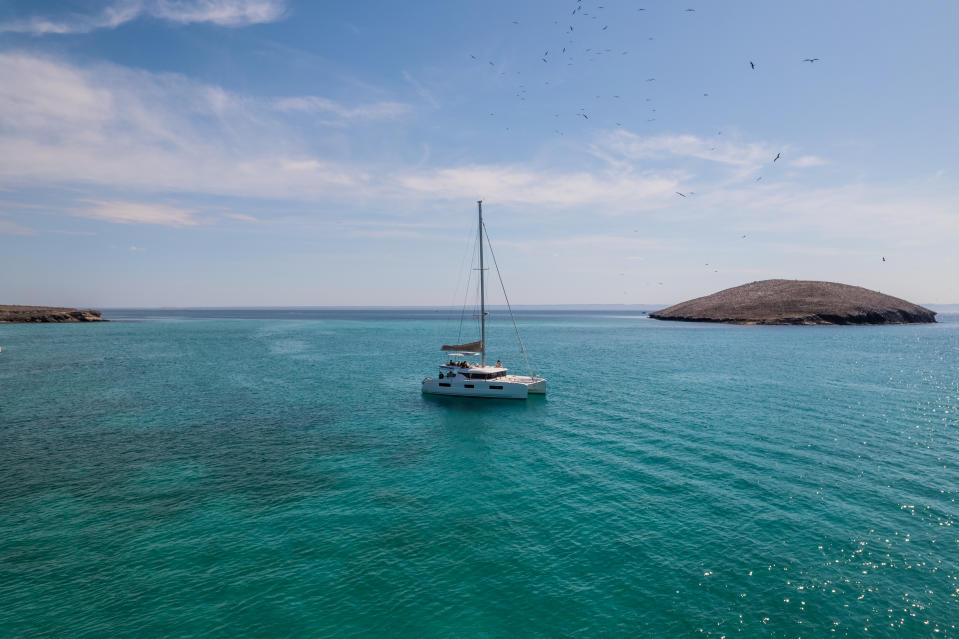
<point x="47" y="315"/>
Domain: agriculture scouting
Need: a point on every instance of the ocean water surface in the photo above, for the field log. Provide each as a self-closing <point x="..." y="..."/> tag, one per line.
<point x="278" y="473"/>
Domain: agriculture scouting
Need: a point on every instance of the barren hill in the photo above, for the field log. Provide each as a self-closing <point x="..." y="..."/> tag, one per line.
<point x="797" y="302"/>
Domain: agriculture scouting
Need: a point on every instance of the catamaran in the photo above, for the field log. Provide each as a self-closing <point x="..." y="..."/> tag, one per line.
<point x="465" y="378"/>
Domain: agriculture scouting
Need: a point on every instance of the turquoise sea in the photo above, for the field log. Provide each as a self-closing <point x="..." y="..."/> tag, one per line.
<point x="274" y="473"/>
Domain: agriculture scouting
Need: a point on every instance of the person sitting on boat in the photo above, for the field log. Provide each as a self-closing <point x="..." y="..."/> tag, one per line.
<point x="499" y="364"/>
<point x="441" y="375"/>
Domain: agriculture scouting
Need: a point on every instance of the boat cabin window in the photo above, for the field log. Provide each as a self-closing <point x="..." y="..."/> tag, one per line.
<point x="484" y="375"/>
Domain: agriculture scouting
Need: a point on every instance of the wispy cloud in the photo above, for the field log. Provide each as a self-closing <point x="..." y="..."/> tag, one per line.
<point x="143" y="134"/>
<point x="314" y="104"/>
<point x="109" y="18"/>
<point x="598" y="242"/>
<point x="850" y="213"/>
<point x="138" y="213"/>
<point x="113" y="126"/>
<point x="428" y="96"/>
<point x="523" y="185"/>
<point x="241" y="217"/>
<point x="8" y="227"/>
<point x="630" y="146"/>
<point x="807" y="161"/>
<point x="227" y="13"/>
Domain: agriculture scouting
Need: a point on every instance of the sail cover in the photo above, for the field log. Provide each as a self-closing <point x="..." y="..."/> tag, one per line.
<point x="472" y="347"/>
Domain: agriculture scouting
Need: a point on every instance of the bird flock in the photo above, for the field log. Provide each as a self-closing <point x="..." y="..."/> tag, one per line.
<point x="568" y="50"/>
<point x="587" y="21"/>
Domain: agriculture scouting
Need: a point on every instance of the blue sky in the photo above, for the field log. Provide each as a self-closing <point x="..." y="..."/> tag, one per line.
<point x="276" y="152"/>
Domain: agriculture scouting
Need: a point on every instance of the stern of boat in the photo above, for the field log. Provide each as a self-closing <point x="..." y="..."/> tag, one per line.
<point x="537" y="386"/>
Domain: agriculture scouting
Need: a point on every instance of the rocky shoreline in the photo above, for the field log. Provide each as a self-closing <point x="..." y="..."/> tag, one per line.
<point x="47" y="314"/>
<point x="797" y="302"/>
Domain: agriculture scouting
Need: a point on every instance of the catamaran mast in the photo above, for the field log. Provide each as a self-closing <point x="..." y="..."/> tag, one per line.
<point x="482" y="288"/>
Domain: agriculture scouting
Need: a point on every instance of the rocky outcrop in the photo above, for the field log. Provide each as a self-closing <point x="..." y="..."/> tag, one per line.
<point x="797" y="302"/>
<point x="45" y="314"/>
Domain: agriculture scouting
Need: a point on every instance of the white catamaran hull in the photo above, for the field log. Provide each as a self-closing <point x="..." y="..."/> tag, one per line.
<point x="536" y="386"/>
<point x="476" y="388"/>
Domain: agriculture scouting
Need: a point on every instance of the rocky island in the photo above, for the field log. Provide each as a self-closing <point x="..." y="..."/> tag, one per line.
<point x="44" y="314"/>
<point x="797" y="302"/>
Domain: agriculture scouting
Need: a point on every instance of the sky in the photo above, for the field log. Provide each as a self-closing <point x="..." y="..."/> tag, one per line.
<point x="292" y="153"/>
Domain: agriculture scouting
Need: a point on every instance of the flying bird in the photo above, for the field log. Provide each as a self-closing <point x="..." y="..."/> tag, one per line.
<point x="679" y="194"/>
<point x="810" y="59"/>
<point x="883" y="259"/>
<point x="752" y="65"/>
<point x="777" y="157"/>
<point x="584" y="115"/>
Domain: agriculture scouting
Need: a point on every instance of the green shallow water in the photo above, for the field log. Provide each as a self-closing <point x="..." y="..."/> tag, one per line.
<point x="280" y="474"/>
